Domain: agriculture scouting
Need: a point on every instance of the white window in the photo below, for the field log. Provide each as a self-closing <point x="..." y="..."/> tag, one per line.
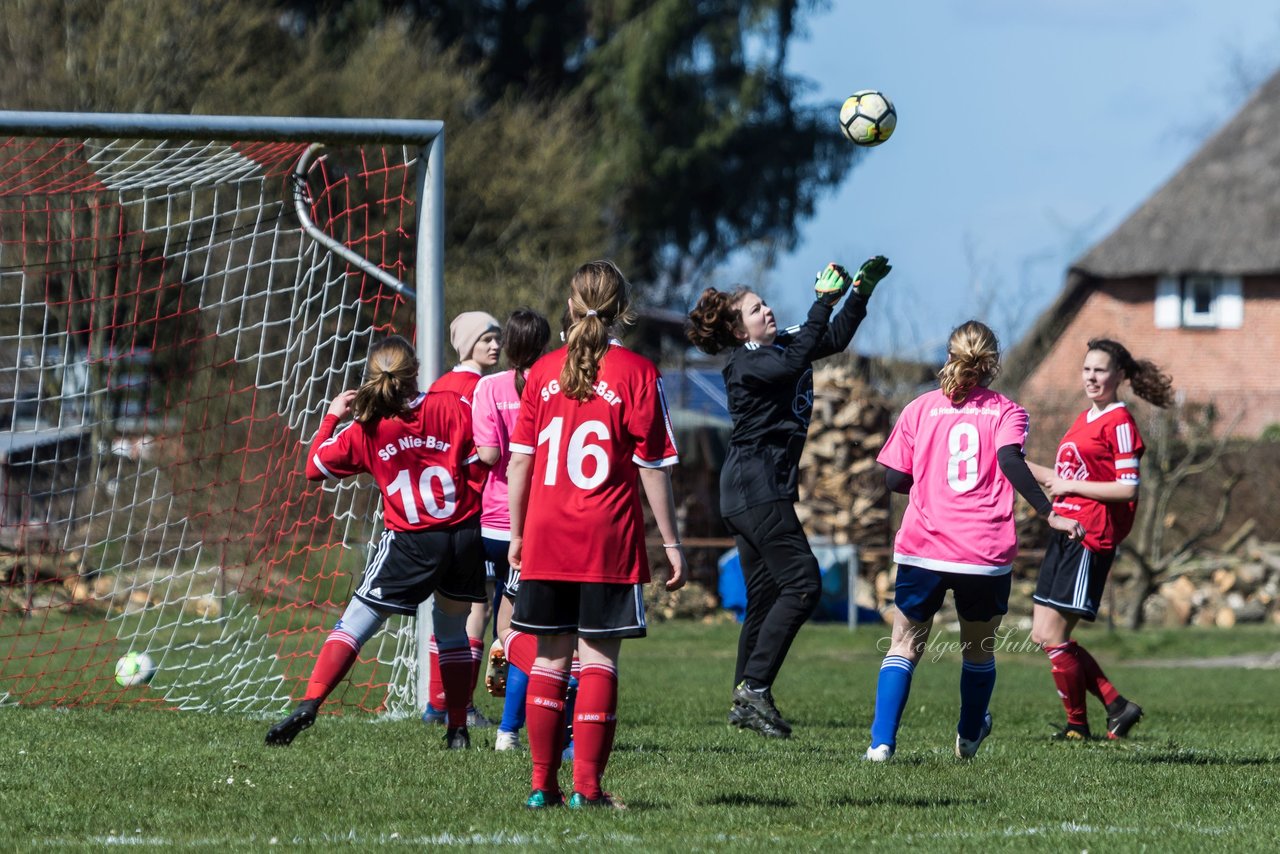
<point x="1206" y="302"/>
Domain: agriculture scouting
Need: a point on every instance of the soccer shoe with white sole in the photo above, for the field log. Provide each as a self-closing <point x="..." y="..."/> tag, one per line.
<point x="287" y="730"/>
<point x="579" y="801"/>
<point x="1127" y="714"/>
<point x="507" y="741"/>
<point x="966" y="749"/>
<point x="457" y="738"/>
<point x="495" y="674"/>
<point x="879" y="753"/>
<point x="542" y="799"/>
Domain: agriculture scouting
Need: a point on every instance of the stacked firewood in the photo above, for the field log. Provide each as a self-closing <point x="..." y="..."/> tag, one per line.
<point x="1239" y="583"/>
<point x="842" y="492"/>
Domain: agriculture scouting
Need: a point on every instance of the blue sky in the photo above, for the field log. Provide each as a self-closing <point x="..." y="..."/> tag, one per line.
<point x="1027" y="130"/>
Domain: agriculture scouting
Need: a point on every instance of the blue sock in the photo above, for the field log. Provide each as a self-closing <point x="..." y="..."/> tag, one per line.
<point x="513" y="705"/>
<point x="977" y="681"/>
<point x="891" y="698"/>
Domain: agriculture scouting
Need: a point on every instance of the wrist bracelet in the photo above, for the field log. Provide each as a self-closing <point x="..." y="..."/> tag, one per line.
<point x="674" y="545"/>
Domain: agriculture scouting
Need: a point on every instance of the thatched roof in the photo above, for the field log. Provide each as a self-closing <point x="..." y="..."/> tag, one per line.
<point x="1219" y="214"/>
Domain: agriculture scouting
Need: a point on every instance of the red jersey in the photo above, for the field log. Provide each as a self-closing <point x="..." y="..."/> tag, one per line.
<point x="461" y="381"/>
<point x="420" y="461"/>
<point x="584" y="521"/>
<point x="1102" y="447"/>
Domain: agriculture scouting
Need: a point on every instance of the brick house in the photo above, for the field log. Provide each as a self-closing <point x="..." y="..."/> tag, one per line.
<point x="1191" y="280"/>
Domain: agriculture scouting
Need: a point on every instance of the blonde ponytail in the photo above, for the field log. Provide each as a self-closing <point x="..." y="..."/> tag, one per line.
<point x="973" y="359"/>
<point x="391" y="380"/>
<point x="598" y="299"/>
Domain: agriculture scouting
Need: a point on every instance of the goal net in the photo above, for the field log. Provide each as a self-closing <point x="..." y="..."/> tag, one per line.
<point x="175" y="314"/>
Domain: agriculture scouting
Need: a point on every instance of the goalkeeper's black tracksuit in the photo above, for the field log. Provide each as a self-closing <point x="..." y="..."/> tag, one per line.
<point x="770" y="391"/>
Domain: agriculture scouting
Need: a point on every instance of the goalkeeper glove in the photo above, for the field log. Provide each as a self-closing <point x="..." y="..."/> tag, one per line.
<point x="831" y="284"/>
<point x="869" y="275"/>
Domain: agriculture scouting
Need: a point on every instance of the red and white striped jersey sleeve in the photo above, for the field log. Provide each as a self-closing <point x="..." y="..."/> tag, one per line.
<point x="1126" y="443"/>
<point x="649" y="423"/>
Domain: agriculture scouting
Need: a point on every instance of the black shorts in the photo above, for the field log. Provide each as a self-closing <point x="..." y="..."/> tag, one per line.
<point x="587" y="609"/>
<point x="408" y="566"/>
<point x="1072" y="577"/>
<point x="918" y="593"/>
<point x="498" y="568"/>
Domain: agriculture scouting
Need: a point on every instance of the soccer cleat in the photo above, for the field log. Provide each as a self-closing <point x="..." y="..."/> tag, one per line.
<point x="457" y="738"/>
<point x="507" y="741"/>
<point x="287" y="730"/>
<point x="476" y="718"/>
<point x="879" y="753"/>
<point x="495" y="675"/>
<point x="432" y="716"/>
<point x="580" y="801"/>
<point x="758" y="713"/>
<point x="1119" y="724"/>
<point x="541" y="799"/>
<point x="1073" y="732"/>
<point x="738" y="716"/>
<point x="966" y="749"/>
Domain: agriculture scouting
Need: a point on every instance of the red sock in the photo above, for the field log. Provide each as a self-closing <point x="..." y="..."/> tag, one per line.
<point x="1094" y="679"/>
<point x="1068" y="675"/>
<point x="335" y="659"/>
<point x="594" y="712"/>
<point x="477" y="659"/>
<point x="544" y="722"/>
<point x="435" y="690"/>
<point x="455" y="674"/>
<point x="521" y="650"/>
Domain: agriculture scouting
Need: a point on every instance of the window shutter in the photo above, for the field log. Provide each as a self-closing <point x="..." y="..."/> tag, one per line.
<point x="1229" y="304"/>
<point x="1168" y="303"/>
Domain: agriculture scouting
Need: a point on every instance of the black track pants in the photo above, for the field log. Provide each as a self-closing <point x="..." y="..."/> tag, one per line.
<point x="783" y="586"/>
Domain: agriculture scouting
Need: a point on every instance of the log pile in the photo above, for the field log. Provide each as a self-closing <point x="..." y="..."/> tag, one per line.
<point x="38" y="581"/>
<point x="1237" y="584"/>
<point x="842" y="492"/>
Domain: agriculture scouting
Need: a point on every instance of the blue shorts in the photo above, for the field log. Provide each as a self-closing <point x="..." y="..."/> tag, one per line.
<point x="918" y="594"/>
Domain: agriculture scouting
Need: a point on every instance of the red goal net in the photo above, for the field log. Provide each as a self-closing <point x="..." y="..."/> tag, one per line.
<point x="169" y="337"/>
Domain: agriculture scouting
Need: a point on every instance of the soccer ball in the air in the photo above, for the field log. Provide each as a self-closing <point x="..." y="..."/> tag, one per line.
<point x="135" y="668"/>
<point x="868" y="117"/>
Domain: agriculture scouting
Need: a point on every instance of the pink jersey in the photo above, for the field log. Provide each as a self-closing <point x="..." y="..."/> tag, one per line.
<point x="420" y="461"/>
<point x="494" y="408"/>
<point x="584" y="521"/>
<point x="959" y="516"/>
<point x="1102" y="447"/>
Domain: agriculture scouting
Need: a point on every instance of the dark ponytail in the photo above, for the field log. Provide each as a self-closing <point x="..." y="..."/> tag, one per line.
<point x="524" y="339"/>
<point x="716" y="320"/>
<point x="1148" y="381"/>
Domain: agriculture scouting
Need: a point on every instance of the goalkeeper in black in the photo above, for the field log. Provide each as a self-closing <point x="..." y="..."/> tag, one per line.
<point x="769" y="380"/>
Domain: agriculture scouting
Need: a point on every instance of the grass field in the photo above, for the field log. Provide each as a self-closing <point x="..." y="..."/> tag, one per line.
<point x="1202" y="771"/>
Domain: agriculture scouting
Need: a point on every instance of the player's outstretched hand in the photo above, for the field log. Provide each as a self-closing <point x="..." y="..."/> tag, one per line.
<point x="869" y="275"/>
<point x="341" y="405"/>
<point x="1073" y="529"/>
<point x="675" y="556"/>
<point x="831" y="283"/>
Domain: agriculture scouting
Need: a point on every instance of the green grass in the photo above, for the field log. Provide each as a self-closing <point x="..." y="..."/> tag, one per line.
<point x="1203" y="770"/>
